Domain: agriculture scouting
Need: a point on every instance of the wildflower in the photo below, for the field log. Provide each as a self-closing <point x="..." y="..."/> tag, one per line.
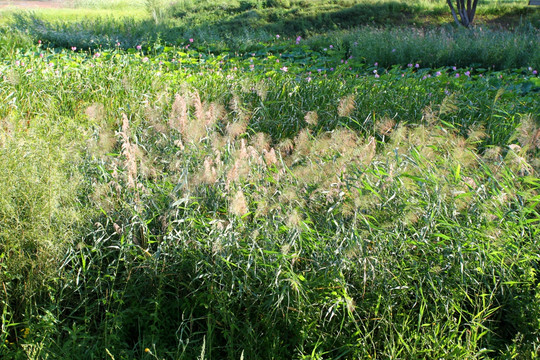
<point x="308" y="79"/>
<point x="191" y="40"/>
<point x="393" y="50"/>
<point x="325" y="49"/>
<point x="535" y="72"/>
<point x="409" y="65"/>
<point x="457" y="75"/>
<point x="355" y="43"/>
<point x="331" y="46"/>
<point x="145" y="59"/>
<point x="96" y="55"/>
<point x="417" y="66"/>
<point x="438" y="73"/>
<point x="374" y="71"/>
<point x="147" y="350"/>
<point x="298" y="40"/>
<point x="277" y="36"/>
<point x="377" y="75"/>
<point x="319" y="70"/>
<point x="17" y="62"/>
<point x="376" y="64"/>
<point x="467" y="73"/>
<point x="41" y="55"/>
<point x="284" y="69"/>
<point x="39" y="42"/>
<point x="454" y="68"/>
<point x="139" y="47"/>
<point x="73" y="48"/>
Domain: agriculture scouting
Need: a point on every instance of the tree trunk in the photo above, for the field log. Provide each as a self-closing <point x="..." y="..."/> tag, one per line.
<point x="466" y="11"/>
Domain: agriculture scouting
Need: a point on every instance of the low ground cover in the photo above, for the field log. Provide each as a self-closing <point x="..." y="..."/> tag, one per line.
<point x="302" y="198"/>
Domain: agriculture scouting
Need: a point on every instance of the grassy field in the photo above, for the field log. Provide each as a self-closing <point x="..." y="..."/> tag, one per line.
<point x="176" y="187"/>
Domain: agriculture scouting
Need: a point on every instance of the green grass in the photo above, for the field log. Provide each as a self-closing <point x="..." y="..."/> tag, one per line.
<point x="270" y="200"/>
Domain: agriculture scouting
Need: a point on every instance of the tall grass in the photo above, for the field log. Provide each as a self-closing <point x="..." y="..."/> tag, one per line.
<point x="290" y="202"/>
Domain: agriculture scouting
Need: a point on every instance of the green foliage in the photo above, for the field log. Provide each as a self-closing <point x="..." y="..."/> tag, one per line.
<point x="290" y="201"/>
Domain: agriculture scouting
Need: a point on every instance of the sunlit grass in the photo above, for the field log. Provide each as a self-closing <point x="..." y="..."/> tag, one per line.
<point x="327" y="199"/>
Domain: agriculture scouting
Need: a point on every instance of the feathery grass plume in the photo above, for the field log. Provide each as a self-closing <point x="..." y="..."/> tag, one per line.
<point x="210" y="172"/>
<point x="153" y="117"/>
<point x="429" y="116"/>
<point x="129" y="151"/>
<point x="344" y="141"/>
<point x="448" y="105"/>
<point x="270" y="157"/>
<point x="178" y="117"/>
<point x="238" y="204"/>
<point x="311" y="118"/>
<point x="200" y="114"/>
<point x="214" y="113"/>
<point x="399" y="137"/>
<point x="260" y="141"/>
<point x="517" y="162"/>
<point x="528" y="133"/>
<point x="218" y="142"/>
<point x="493" y="154"/>
<point x="239" y="171"/>
<point x="286" y="147"/>
<point x="369" y="150"/>
<point x="262" y="89"/>
<point x="346" y="105"/>
<point x="476" y="134"/>
<point x="385" y="126"/>
<point x="462" y="153"/>
<point x="237" y="128"/>
<point x="294" y="218"/>
<point x="302" y="143"/>
<point x="96" y="113"/>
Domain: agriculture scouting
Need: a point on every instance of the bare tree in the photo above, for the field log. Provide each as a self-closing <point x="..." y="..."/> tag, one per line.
<point x="466" y="11"/>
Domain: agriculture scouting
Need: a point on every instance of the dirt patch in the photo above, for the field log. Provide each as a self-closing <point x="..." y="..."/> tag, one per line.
<point x="35" y="4"/>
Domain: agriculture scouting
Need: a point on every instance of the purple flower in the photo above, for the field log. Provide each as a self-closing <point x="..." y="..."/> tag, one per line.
<point x="374" y="71"/>
<point x="376" y="64"/>
<point x="376" y="75"/>
<point x="438" y="73"/>
<point x="96" y="55"/>
<point x="139" y="47"/>
<point x="457" y="75"/>
<point x="467" y="73"/>
<point x="331" y="69"/>
<point x="393" y="50"/>
<point x="417" y="66"/>
<point x="454" y="68"/>
<point x="73" y="48"/>
<point x="535" y="72"/>
<point x="409" y="65"/>
<point x="277" y="36"/>
<point x="331" y="46"/>
<point x="191" y="40"/>
<point x="308" y="79"/>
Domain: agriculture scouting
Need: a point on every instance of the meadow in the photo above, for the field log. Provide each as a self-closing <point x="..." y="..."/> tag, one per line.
<point x="279" y="179"/>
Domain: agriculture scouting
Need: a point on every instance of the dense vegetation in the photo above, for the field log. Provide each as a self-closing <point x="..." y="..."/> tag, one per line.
<point x="369" y="192"/>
